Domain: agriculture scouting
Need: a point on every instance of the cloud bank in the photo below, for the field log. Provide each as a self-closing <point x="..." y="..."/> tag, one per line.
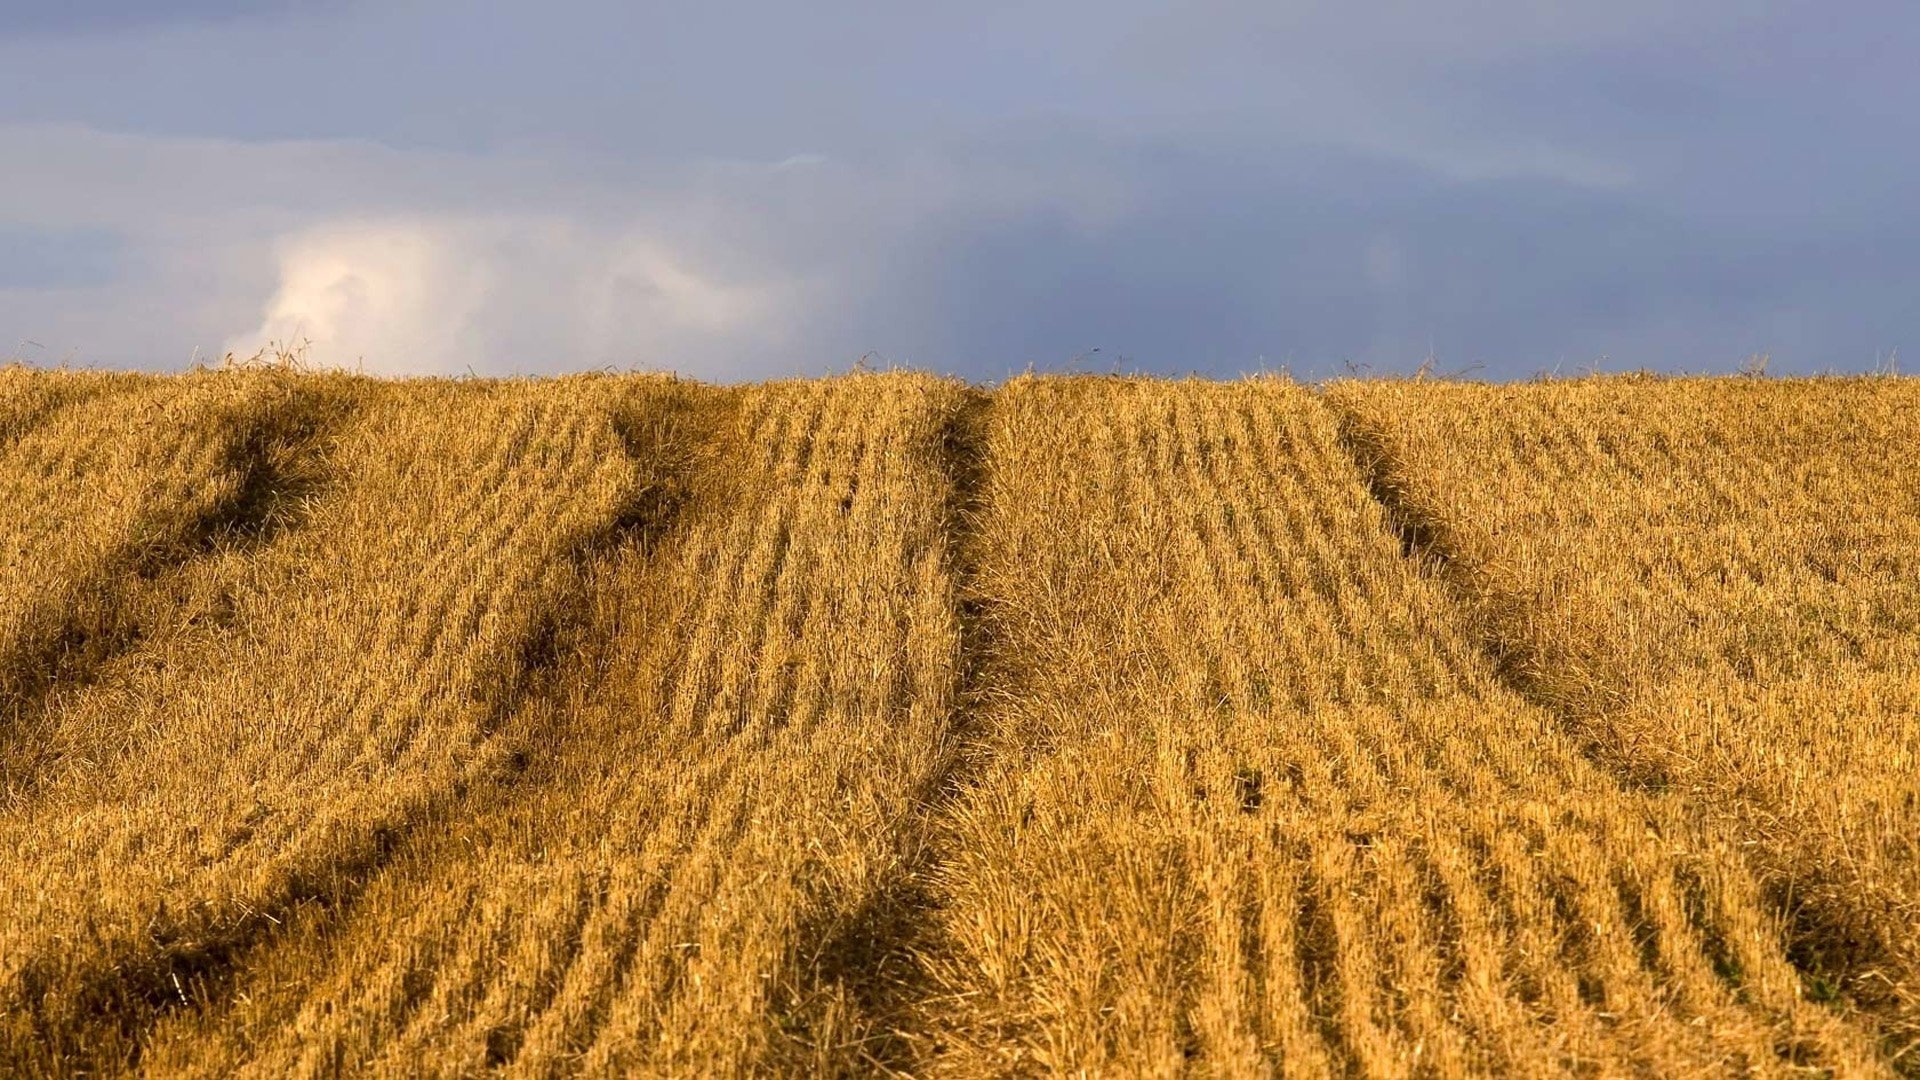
<point x="744" y="190"/>
<point x="447" y="295"/>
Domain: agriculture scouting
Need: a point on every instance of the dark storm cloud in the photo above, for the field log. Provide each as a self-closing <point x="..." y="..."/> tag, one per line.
<point x="763" y="187"/>
<point x="1318" y="262"/>
<point x="87" y="16"/>
<point x="34" y="258"/>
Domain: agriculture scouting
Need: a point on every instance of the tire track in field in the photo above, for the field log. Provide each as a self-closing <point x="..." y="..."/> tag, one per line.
<point x="265" y="462"/>
<point x="1253" y="825"/>
<point x="535" y="666"/>
<point x="1529" y="667"/>
<point x="29" y="398"/>
<point x="874" y="951"/>
<point x="525" y="715"/>
<point x="572" y="660"/>
<point x="616" y="908"/>
<point x="1678" y="934"/>
<point x="103" y="1020"/>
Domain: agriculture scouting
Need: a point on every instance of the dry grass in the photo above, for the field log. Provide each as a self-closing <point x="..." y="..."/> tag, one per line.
<point x="879" y="725"/>
<point x="106" y="483"/>
<point x="28" y="396"/>
<point x="340" y="681"/>
<point x="1254" y="799"/>
<point x="1717" y="583"/>
<point x="713" y="793"/>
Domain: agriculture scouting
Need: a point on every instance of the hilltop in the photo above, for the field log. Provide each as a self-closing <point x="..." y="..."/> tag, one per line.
<point x="886" y="724"/>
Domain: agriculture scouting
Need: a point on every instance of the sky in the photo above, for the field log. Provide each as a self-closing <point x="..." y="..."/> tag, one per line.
<point x="742" y="189"/>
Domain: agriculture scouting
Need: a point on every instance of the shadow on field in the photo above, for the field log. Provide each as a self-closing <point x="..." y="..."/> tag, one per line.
<point x="1842" y="947"/>
<point x="873" y="956"/>
<point x="197" y="967"/>
<point x="276" y="465"/>
<point x="21" y="415"/>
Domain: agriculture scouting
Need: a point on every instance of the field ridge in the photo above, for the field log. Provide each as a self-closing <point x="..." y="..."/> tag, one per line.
<point x="878" y="952"/>
<point x="886" y="725"/>
<point x="1842" y="934"/>
<point x="63" y="1003"/>
<point x="154" y="507"/>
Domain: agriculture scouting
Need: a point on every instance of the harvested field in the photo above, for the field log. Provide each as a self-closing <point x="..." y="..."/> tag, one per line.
<point x="882" y="725"/>
<point x="1716" y="585"/>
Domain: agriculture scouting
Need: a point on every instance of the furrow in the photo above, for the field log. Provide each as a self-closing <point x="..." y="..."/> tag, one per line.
<point x="1674" y="597"/>
<point x="102" y="529"/>
<point x="1089" y="894"/>
<point x="222" y="874"/>
<point x="668" y="864"/>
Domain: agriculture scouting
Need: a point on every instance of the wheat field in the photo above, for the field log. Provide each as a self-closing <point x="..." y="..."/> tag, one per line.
<point x="886" y="725"/>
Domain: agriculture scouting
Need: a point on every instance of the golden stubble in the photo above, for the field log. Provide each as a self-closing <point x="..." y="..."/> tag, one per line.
<point x="621" y="725"/>
<point x="1716" y="583"/>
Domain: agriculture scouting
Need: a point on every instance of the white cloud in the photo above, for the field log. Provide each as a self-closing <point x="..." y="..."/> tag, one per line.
<point x="976" y="256"/>
<point x="416" y="262"/>
<point x="409" y="295"/>
<point x="432" y="262"/>
<point x="393" y="295"/>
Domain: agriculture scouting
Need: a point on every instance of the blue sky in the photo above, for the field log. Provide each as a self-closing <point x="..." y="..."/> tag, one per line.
<point x="746" y="189"/>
